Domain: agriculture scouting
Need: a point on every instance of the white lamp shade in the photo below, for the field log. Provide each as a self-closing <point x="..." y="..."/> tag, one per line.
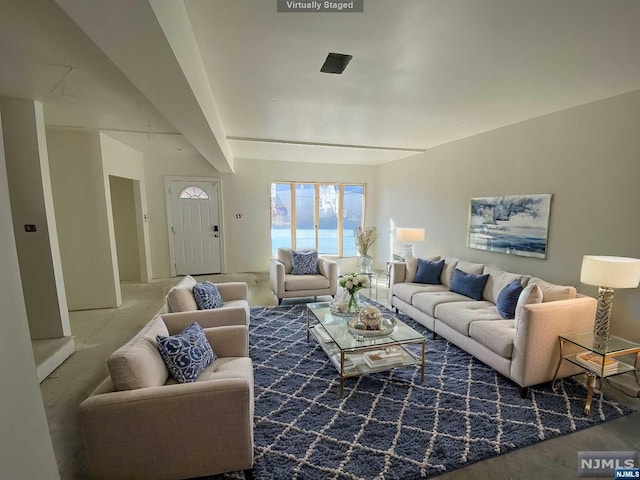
<point x="410" y="234"/>
<point x="612" y="272"/>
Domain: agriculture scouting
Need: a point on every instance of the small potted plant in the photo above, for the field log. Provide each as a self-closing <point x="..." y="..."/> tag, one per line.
<point x="352" y="283"/>
<point x="365" y="238"/>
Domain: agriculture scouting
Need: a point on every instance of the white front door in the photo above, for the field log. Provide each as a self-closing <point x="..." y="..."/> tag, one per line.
<point x="195" y="226"/>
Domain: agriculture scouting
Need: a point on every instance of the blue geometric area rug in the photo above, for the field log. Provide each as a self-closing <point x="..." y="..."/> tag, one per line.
<point x="390" y="425"/>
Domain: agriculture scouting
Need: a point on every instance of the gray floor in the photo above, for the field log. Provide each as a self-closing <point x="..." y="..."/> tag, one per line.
<point x="99" y="332"/>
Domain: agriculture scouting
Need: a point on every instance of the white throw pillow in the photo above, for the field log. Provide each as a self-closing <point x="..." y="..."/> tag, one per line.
<point x="530" y="294"/>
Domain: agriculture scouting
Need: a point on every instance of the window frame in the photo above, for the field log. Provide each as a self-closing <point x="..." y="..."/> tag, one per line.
<point x="316" y="213"/>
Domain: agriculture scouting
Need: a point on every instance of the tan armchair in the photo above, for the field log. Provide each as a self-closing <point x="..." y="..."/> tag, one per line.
<point x="234" y="311"/>
<point x="286" y="285"/>
<point x="140" y="423"/>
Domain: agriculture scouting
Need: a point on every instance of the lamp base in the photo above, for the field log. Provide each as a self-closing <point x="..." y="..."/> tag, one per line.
<point x="407" y="249"/>
<point x="601" y="325"/>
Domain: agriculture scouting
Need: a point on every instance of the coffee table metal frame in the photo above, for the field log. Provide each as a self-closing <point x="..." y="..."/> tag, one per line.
<point x="344" y="345"/>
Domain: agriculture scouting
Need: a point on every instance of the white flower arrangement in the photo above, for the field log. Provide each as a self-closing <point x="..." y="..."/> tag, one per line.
<point x="353" y="282"/>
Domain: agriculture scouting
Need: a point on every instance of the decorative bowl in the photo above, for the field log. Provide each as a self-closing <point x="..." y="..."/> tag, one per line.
<point x="358" y="329"/>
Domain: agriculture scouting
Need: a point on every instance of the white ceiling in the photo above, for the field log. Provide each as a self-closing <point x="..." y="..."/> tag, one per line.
<point x="424" y="72"/>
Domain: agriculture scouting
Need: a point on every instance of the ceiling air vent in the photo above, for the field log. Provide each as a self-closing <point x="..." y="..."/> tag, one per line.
<point x="336" y="63"/>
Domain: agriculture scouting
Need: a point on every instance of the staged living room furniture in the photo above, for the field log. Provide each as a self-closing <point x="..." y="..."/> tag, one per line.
<point x="234" y="311"/>
<point x="525" y="348"/>
<point x="285" y="283"/>
<point x="140" y="423"/>
<point x="346" y="350"/>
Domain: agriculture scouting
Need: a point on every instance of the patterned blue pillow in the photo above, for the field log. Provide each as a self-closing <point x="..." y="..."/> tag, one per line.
<point x="207" y="296"/>
<point x="187" y="353"/>
<point x="304" y="262"/>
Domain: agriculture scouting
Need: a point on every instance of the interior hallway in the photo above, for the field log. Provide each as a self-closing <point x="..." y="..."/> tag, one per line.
<point x="99" y="332"/>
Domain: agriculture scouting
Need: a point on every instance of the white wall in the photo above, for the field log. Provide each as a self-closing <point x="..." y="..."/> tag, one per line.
<point x="247" y="240"/>
<point x="27" y="451"/>
<point x="79" y="196"/>
<point x="124" y="225"/>
<point x="32" y="203"/>
<point x="588" y="157"/>
<point x="123" y="161"/>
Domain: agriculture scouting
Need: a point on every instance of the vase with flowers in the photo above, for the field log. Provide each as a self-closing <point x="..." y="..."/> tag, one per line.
<point x="365" y="238"/>
<point x="352" y="284"/>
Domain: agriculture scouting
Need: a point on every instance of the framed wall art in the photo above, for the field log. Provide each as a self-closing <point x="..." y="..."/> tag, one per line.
<point x="515" y="224"/>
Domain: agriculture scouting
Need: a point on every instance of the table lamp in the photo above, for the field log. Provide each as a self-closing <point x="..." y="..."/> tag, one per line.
<point x="409" y="235"/>
<point x="608" y="273"/>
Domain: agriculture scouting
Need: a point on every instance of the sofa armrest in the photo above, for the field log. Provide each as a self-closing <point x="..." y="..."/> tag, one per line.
<point x="215" y="317"/>
<point x="397" y="274"/>
<point x="276" y="277"/>
<point x="233" y="291"/>
<point x="229" y="341"/>
<point x="166" y="431"/>
<point x="536" y="348"/>
<point x="329" y="269"/>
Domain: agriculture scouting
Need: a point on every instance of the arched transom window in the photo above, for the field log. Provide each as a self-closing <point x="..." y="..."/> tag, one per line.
<point x="194" y="192"/>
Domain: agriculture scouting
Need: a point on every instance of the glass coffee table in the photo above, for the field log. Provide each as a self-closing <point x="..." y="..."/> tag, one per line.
<point x="347" y="351"/>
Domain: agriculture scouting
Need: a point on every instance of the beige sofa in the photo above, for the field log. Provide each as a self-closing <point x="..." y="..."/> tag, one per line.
<point x="141" y="424"/>
<point x="524" y="349"/>
<point x="286" y="285"/>
<point x="234" y="311"/>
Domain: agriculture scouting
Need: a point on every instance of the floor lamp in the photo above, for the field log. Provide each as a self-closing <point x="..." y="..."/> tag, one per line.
<point x="608" y="273"/>
<point x="409" y="235"/>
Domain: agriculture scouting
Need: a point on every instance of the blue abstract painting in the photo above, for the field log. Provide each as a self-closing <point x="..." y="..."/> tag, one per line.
<point x="516" y="224"/>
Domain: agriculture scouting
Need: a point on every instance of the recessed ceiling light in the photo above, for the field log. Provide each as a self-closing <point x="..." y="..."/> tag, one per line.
<point x="179" y="149"/>
<point x="336" y="63"/>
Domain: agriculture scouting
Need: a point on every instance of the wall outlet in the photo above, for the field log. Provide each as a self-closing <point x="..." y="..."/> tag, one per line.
<point x="239" y="215"/>
<point x="30" y="228"/>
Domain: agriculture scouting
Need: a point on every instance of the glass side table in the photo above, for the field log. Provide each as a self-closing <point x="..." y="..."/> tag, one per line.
<point x="598" y="362"/>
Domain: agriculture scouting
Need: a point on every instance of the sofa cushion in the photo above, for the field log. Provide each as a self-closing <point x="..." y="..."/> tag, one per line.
<point x="405" y="291"/>
<point x="207" y="296"/>
<point x="304" y="262"/>
<point x="187" y="353"/>
<point x="138" y="363"/>
<point x="497" y="335"/>
<point x="284" y="257"/>
<point x="429" y="272"/>
<point x="411" y="263"/>
<point x="427" y="302"/>
<point x="447" y="271"/>
<point x="551" y="292"/>
<point x="468" y="267"/>
<point x="498" y="279"/>
<point x="222" y="368"/>
<point x="305" y="282"/>
<point x="468" y="284"/>
<point x="532" y="293"/>
<point x="460" y="315"/>
<point x="508" y="299"/>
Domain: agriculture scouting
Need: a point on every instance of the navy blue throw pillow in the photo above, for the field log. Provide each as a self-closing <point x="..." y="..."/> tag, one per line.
<point x="468" y="284"/>
<point x="508" y="299"/>
<point x="207" y="296"/>
<point x="428" y="272"/>
<point x="187" y="353"/>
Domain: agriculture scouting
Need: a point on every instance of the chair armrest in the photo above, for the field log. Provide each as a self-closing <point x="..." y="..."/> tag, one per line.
<point x="229" y="341"/>
<point x="157" y="432"/>
<point x="233" y="291"/>
<point x="276" y="277"/>
<point x="329" y="269"/>
<point x="215" y="317"/>
<point x="536" y="348"/>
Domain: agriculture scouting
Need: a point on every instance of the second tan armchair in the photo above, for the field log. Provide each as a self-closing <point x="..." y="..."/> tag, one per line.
<point x="284" y="284"/>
